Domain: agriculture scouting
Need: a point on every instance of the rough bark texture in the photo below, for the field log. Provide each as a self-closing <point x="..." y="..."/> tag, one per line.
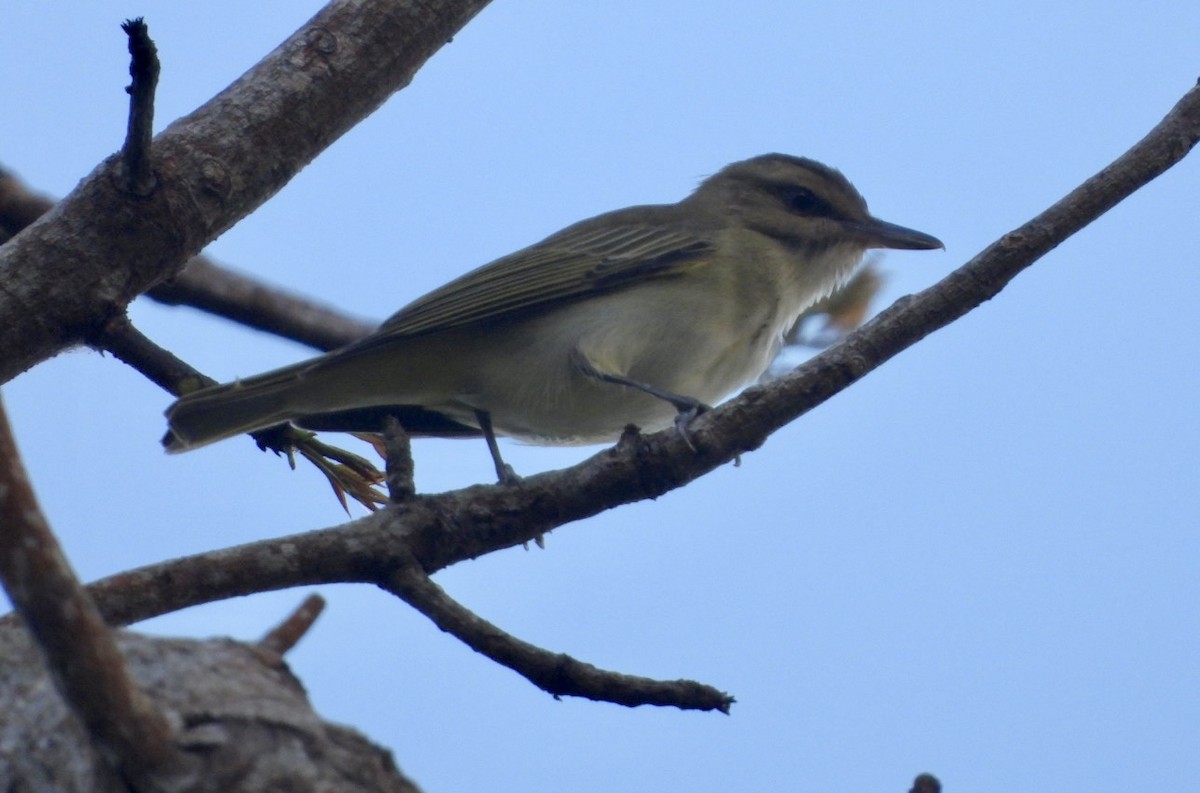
<point x="236" y="707"/>
<point x="101" y="246"/>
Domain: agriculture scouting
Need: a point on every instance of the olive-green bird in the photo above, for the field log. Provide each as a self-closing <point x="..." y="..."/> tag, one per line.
<point x="640" y="316"/>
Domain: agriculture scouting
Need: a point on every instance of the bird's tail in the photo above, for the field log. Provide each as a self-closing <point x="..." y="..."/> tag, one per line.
<point x="223" y="411"/>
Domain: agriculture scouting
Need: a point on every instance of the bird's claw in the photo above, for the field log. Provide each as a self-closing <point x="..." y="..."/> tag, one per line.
<point x="683" y="419"/>
<point x="506" y="475"/>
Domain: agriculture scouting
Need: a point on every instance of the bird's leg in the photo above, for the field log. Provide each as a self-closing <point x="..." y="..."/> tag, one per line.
<point x="689" y="407"/>
<point x="504" y="471"/>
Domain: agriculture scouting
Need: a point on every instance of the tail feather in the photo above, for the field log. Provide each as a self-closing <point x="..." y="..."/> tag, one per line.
<point x="223" y="411"/>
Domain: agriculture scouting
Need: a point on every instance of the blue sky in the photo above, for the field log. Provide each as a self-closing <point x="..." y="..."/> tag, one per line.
<point x="979" y="561"/>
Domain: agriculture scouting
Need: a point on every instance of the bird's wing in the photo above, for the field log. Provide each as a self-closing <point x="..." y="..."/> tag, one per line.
<point x="584" y="259"/>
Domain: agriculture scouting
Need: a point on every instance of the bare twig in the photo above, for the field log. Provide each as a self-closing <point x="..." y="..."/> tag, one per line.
<point x="926" y="783"/>
<point x="160" y="366"/>
<point x="87" y="668"/>
<point x="288" y="633"/>
<point x="398" y="453"/>
<point x="554" y="673"/>
<point x="143" y="68"/>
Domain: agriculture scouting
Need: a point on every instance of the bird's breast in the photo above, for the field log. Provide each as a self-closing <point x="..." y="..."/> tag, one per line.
<point x="702" y="333"/>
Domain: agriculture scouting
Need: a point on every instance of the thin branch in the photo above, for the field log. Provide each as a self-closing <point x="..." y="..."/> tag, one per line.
<point x="346" y="472"/>
<point x="143" y="68"/>
<point x="160" y="366"/>
<point x="762" y="410"/>
<point x="206" y="285"/>
<point x="926" y="783"/>
<point x="87" y="668"/>
<point x="288" y="633"/>
<point x="554" y="673"/>
<point x="448" y="528"/>
<point x="397" y="449"/>
<point x="209" y="287"/>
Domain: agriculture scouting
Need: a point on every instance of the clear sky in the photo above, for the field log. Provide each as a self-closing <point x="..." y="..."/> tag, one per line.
<point x="981" y="561"/>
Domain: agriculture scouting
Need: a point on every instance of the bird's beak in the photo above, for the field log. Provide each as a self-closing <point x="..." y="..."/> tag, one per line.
<point x="881" y="234"/>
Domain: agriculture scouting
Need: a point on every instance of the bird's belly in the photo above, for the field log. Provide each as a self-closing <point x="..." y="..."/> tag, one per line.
<point x="532" y="385"/>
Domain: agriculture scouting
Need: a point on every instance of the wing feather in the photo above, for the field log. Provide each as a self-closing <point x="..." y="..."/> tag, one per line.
<point x="596" y="255"/>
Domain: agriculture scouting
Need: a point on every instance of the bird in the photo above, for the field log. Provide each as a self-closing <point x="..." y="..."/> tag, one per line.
<point x="643" y="316"/>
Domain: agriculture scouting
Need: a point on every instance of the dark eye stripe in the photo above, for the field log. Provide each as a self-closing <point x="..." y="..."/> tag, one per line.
<point x="803" y="201"/>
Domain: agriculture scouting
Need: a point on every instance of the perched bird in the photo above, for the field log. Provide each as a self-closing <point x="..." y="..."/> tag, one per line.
<point x="641" y="316"/>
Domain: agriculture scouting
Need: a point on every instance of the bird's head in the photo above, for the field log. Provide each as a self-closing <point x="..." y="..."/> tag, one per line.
<point x="804" y="205"/>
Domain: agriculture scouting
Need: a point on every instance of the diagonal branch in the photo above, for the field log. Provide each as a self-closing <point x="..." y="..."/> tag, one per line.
<point x="102" y="246"/>
<point x="160" y="366"/>
<point x="208" y="286"/>
<point x="346" y="472"/>
<point x="438" y="531"/>
<point x="287" y="634"/>
<point x="554" y="673"/>
<point x="912" y="318"/>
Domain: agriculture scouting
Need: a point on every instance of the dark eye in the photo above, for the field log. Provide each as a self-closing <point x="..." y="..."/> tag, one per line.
<point x="803" y="201"/>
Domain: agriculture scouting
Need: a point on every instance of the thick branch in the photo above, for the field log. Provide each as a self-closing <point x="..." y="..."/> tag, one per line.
<point x="82" y="263"/>
<point x="81" y="654"/>
<point x="243" y="717"/>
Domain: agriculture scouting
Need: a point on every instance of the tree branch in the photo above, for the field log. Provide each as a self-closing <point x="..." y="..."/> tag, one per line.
<point x="397" y="451"/>
<point x="125" y="726"/>
<point x="438" y="531"/>
<point x="926" y="783"/>
<point x="160" y="366"/>
<point x="19" y="206"/>
<point x="555" y="673"/>
<point x="912" y="318"/>
<point x="208" y="286"/>
<point x="288" y="633"/>
<point x="143" y="68"/>
<point x="85" y="261"/>
<point x="244" y="718"/>
<point x="433" y="532"/>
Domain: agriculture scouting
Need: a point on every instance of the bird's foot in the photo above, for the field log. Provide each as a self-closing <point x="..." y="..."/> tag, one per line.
<point x="689" y="410"/>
